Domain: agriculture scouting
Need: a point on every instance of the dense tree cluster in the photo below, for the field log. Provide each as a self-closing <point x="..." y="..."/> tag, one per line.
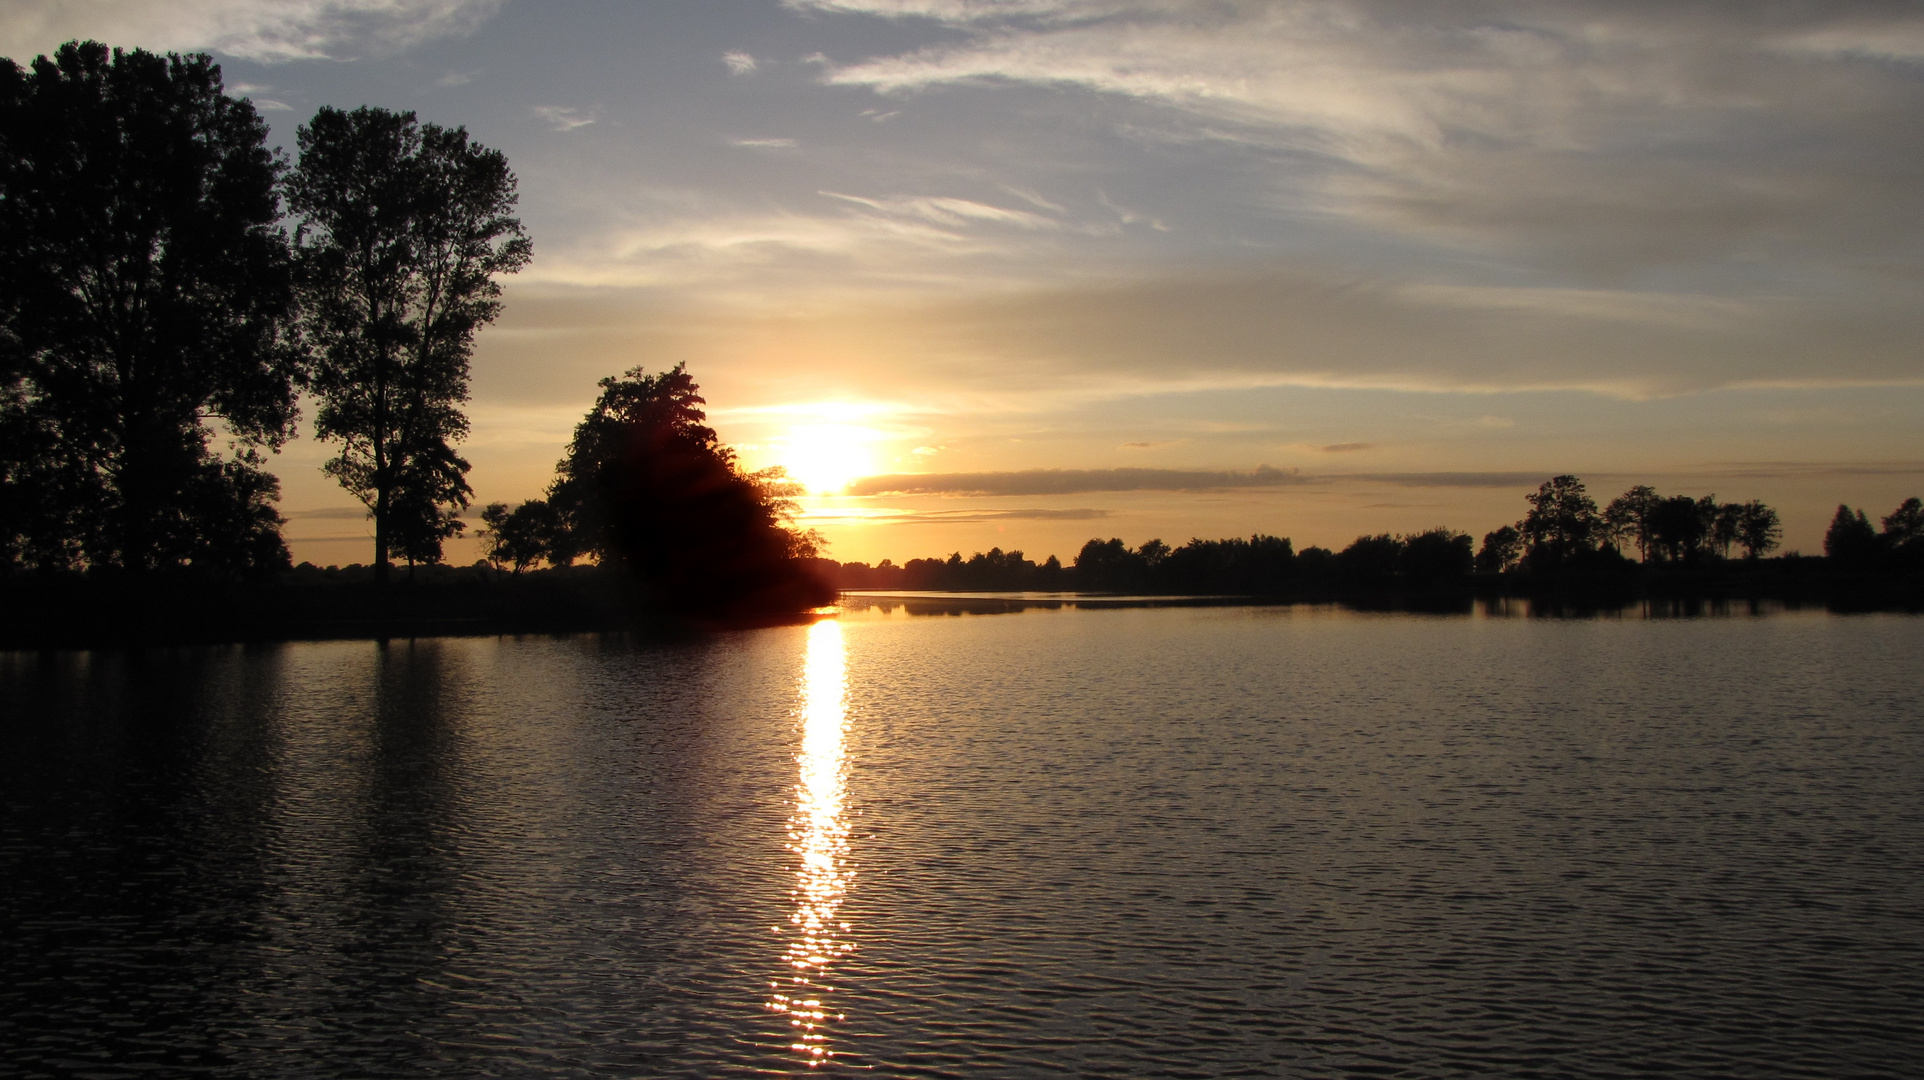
<point x="1259" y="566"/>
<point x="154" y="304"/>
<point x="1566" y="530"/>
<point x="1852" y="544"/>
<point x="1564" y="533"/>
<point x="147" y="311"/>
<point x="647" y="483"/>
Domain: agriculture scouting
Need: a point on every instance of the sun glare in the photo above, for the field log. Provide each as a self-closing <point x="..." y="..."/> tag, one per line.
<point x="827" y="457"/>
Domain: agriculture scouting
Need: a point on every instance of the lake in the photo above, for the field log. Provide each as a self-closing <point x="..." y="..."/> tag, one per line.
<point x="1196" y="842"/>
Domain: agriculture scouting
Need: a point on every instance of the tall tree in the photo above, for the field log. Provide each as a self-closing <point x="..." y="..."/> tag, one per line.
<point x="1680" y="526"/>
<point x="146" y="309"/>
<point x="1628" y="517"/>
<point x="1758" y="529"/>
<point x="404" y="229"/>
<point x="1563" y="522"/>
<point x="1850" y="542"/>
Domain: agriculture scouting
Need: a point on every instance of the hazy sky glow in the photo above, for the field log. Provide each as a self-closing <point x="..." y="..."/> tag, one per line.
<point x="1028" y="271"/>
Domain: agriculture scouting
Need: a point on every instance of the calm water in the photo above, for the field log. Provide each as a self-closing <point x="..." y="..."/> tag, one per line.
<point x="1162" y="842"/>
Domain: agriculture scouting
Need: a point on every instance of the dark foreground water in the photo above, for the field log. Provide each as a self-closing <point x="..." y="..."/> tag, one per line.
<point x="1174" y="842"/>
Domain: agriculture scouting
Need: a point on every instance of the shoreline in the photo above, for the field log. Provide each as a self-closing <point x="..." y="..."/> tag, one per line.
<point x="115" y="612"/>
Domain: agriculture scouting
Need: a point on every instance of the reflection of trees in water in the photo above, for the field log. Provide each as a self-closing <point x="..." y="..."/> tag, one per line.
<point x="141" y="862"/>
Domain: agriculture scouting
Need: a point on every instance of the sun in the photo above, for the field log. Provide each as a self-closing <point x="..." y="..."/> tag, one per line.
<point x="827" y="457"/>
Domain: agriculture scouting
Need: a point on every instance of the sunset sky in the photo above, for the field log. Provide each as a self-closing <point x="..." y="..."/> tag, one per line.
<point x="1030" y="271"/>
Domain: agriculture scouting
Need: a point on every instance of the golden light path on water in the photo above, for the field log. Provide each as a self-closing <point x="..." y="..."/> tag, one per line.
<point x="818" y="835"/>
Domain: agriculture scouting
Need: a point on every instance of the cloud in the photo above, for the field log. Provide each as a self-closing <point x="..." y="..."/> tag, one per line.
<point x="265" y="30"/>
<point x="1598" y="137"/>
<point x="948" y="517"/>
<point x="1323" y="326"/>
<point x="1450" y="479"/>
<point x="949" y="212"/>
<point x="564" y="117"/>
<point x="1346" y="447"/>
<point x="1081" y="481"/>
<point x="739" y="63"/>
<point x="763" y="144"/>
<point x="1073" y="481"/>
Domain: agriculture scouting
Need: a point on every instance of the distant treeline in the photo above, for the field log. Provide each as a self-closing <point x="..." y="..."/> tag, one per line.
<point x="1639" y="537"/>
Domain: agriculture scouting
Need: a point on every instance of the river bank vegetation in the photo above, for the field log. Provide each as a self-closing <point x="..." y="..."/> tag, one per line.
<point x="1640" y="544"/>
<point x="172" y="290"/>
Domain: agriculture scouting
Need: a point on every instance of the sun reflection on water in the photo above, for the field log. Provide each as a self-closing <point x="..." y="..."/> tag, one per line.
<point x="818" y="835"/>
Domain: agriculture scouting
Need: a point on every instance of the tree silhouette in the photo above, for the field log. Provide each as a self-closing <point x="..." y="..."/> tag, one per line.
<point x="404" y="229"/>
<point x="1501" y="549"/>
<point x="1680" y="526"/>
<point x="1758" y="529"/>
<point x="647" y="482"/>
<point x="1562" y="524"/>
<point x="1904" y="528"/>
<point x="1434" y="557"/>
<point x="1370" y="559"/>
<point x="145" y="296"/>
<point x="1628" y="517"/>
<point x="1850" y="541"/>
<point x="520" y="538"/>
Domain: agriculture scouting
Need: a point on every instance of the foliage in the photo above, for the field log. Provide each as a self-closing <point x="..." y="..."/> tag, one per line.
<point x="519" y="539"/>
<point x="779" y="494"/>
<point x="648" y="483"/>
<point x="404" y="229"/>
<point x="1266" y="565"/>
<point x="1438" y="555"/>
<point x="1502" y="547"/>
<point x="1628" y="518"/>
<point x="1680" y="526"/>
<point x="664" y="411"/>
<point x="1370" y="558"/>
<point x="1904" y="527"/>
<point x="1758" y="529"/>
<point x="1563" y="523"/>
<point x="1850" y="541"/>
<point x="146" y="304"/>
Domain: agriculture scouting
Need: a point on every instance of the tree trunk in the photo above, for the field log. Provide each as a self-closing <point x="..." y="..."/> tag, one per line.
<point x="380" y="535"/>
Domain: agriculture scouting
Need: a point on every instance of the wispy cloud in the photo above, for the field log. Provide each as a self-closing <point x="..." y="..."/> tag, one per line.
<point x="892" y="516"/>
<point x="267" y="30"/>
<point x="739" y="63"/>
<point x="1450" y="479"/>
<point x="1601" y="136"/>
<point x="764" y="144"/>
<point x="1082" y="481"/>
<point x="564" y="117"/>
<point x="1074" y="481"/>
<point x="949" y="212"/>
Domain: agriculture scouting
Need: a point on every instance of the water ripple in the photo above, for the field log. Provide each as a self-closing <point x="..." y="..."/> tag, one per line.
<point x="1131" y="843"/>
